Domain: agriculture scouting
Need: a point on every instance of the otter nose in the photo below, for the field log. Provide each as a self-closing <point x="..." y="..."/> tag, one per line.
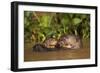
<point x="58" y="46"/>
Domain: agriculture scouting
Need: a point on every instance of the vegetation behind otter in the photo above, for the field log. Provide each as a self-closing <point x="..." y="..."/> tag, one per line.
<point x="38" y="26"/>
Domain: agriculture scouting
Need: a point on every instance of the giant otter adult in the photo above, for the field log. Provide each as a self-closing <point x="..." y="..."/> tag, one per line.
<point x="69" y="42"/>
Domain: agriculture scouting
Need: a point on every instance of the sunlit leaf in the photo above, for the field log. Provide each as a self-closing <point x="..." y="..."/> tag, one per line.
<point x="44" y="21"/>
<point x="76" y="20"/>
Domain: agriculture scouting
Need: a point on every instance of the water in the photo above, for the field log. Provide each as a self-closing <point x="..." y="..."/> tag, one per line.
<point x="82" y="53"/>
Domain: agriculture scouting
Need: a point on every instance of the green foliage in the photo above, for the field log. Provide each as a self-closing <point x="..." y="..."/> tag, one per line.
<point x="39" y="27"/>
<point x="44" y="21"/>
<point x="76" y="21"/>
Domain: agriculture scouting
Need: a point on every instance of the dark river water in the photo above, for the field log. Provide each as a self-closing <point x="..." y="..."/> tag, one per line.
<point x="82" y="53"/>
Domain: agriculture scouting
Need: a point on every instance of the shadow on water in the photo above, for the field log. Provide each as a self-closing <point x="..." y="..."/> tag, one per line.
<point x="82" y="53"/>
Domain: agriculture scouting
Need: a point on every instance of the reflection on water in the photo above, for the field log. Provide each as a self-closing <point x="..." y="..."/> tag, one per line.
<point x="82" y="53"/>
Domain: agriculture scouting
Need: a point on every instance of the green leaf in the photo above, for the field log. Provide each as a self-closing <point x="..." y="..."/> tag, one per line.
<point x="65" y="21"/>
<point x="84" y="16"/>
<point x="44" y="21"/>
<point x="76" y="21"/>
<point x="71" y="15"/>
<point x="41" y="36"/>
<point x="27" y="13"/>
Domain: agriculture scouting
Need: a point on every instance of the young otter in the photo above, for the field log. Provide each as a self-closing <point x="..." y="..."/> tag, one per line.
<point x="69" y="42"/>
<point x="50" y="43"/>
<point x="47" y="45"/>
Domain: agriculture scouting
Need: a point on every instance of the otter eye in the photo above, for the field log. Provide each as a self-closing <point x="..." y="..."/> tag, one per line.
<point x="70" y="44"/>
<point x="67" y="44"/>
